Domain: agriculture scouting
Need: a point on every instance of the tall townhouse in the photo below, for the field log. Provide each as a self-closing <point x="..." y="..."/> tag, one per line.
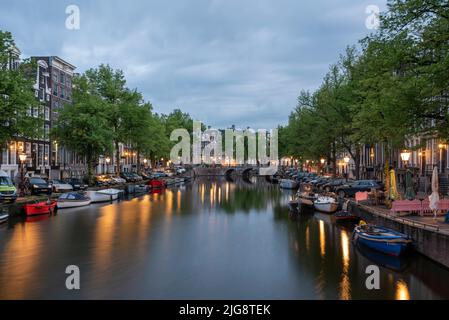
<point x="9" y="153"/>
<point x="63" y="163"/>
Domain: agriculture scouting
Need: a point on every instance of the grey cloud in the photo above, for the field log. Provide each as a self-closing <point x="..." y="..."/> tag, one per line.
<point x="224" y="61"/>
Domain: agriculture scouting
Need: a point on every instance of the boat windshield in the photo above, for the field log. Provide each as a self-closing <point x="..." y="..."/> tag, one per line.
<point x="5" y="181"/>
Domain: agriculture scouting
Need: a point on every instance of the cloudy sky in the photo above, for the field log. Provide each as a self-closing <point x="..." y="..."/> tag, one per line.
<point x="225" y="62"/>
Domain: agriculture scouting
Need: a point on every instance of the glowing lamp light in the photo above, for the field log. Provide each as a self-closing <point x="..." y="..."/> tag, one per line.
<point x="405" y="155"/>
<point x="22" y="157"/>
<point x="108" y="160"/>
<point x="346" y="159"/>
<point x="323" y="161"/>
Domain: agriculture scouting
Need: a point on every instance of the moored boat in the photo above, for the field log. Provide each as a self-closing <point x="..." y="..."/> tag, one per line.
<point x="44" y="207"/>
<point x="293" y="205"/>
<point x="381" y="239"/>
<point x="325" y="204"/>
<point x="103" y="195"/>
<point x="345" y="216"/>
<point x="4" y="218"/>
<point x="307" y="198"/>
<point x="73" y="200"/>
<point x="156" y="184"/>
<point x="288" y="184"/>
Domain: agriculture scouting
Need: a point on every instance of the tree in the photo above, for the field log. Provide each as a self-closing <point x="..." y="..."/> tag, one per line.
<point x="16" y="96"/>
<point x="83" y="126"/>
<point x="110" y="86"/>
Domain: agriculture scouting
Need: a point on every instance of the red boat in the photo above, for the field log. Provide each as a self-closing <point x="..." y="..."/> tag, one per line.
<point x="39" y="208"/>
<point x="156" y="184"/>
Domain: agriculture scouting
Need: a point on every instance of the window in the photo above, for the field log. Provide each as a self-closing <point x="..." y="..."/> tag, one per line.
<point x="47" y="113"/>
<point x="62" y="78"/>
<point x="55" y="78"/>
<point x="62" y="92"/>
<point x="55" y="89"/>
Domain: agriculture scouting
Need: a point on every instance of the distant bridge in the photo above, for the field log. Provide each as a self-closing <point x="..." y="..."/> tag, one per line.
<point x="236" y="170"/>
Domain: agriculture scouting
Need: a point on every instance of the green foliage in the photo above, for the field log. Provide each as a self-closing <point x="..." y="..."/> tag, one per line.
<point x="16" y="96"/>
<point x="83" y="126"/>
<point x="396" y="87"/>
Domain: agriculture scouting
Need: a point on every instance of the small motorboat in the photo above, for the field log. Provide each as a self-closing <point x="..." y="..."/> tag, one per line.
<point x="3" y="218"/>
<point x="73" y="200"/>
<point x="40" y="208"/>
<point x="381" y="239"/>
<point x="293" y="205"/>
<point x="157" y="184"/>
<point x="307" y="198"/>
<point x="288" y="184"/>
<point x="105" y="195"/>
<point x="325" y="204"/>
<point x="345" y="215"/>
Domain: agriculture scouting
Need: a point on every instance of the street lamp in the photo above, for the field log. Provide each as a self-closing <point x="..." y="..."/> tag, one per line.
<point x="441" y="147"/>
<point x="405" y="156"/>
<point x="108" y="161"/>
<point x="421" y="155"/>
<point x="22" y="158"/>
<point x="346" y="161"/>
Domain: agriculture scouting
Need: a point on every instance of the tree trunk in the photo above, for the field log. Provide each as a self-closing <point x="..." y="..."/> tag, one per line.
<point x="117" y="158"/>
<point x="357" y="164"/>
<point x="90" y="170"/>
<point x="334" y="160"/>
<point x="138" y="161"/>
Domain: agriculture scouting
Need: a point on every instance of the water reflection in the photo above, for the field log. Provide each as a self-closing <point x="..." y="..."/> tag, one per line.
<point x="402" y="292"/>
<point x="210" y="239"/>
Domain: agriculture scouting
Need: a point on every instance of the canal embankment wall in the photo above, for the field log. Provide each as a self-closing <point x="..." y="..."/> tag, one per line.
<point x="428" y="239"/>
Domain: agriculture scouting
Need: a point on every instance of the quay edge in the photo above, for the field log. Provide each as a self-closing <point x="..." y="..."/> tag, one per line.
<point x="430" y="242"/>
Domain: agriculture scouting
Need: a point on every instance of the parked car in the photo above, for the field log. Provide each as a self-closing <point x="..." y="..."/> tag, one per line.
<point x="158" y="174"/>
<point x="8" y="191"/>
<point x="169" y="172"/>
<point x="136" y="177"/>
<point x="38" y="185"/>
<point x="60" y="186"/>
<point x="102" y="180"/>
<point x="332" y="184"/>
<point x="128" y="177"/>
<point x="146" y="175"/>
<point x="180" y="170"/>
<point x="77" y="184"/>
<point x="349" y="190"/>
<point x="116" y="179"/>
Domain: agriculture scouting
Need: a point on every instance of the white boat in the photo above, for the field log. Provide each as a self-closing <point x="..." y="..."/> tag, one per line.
<point x="288" y="184"/>
<point x="326" y="204"/>
<point x="4" y="217"/>
<point x="103" y="195"/>
<point x="73" y="200"/>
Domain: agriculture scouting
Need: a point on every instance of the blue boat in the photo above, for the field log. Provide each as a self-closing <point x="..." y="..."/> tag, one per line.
<point x="381" y="239"/>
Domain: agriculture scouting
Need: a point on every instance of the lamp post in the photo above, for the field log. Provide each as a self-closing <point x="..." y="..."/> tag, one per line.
<point x="108" y="160"/>
<point x="346" y="161"/>
<point x="441" y="147"/>
<point x="22" y="158"/>
<point x="421" y="155"/>
<point x="323" y="161"/>
<point x="405" y="157"/>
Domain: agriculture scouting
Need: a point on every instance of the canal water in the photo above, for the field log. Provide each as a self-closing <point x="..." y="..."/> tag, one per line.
<point x="210" y="239"/>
